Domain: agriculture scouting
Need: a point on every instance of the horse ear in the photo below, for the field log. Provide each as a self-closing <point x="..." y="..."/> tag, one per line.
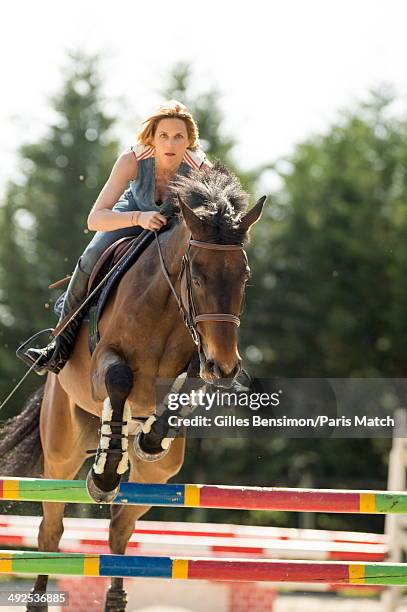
<point x="253" y="215"/>
<point x="193" y="222"/>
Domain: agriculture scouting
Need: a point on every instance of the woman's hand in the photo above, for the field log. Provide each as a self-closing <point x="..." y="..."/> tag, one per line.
<point x="151" y="220"/>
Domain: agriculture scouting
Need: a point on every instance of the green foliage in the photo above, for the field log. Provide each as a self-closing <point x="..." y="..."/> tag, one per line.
<point x="329" y="259"/>
<point x="43" y="218"/>
<point x="328" y="296"/>
<point x="208" y="114"/>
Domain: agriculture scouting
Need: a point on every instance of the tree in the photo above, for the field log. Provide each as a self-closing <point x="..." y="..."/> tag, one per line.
<point x="205" y="109"/>
<point x="43" y="216"/>
<point x="329" y="296"/>
<point x="326" y="264"/>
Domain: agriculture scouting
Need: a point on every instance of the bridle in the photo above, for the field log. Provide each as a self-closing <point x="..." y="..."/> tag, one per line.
<point x="186" y="302"/>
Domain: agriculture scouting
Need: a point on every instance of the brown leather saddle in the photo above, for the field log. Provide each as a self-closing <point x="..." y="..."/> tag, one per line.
<point x="114" y="262"/>
<point x="109" y="258"/>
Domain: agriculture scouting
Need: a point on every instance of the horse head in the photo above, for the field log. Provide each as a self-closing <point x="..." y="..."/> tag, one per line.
<point x="216" y="269"/>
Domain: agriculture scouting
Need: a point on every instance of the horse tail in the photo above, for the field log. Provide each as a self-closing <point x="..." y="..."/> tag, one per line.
<point x="20" y="444"/>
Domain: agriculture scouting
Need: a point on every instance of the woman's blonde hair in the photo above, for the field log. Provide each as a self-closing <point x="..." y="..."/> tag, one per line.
<point x="170" y="110"/>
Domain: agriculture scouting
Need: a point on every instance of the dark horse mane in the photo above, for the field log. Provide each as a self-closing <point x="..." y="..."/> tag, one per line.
<point x="217" y="198"/>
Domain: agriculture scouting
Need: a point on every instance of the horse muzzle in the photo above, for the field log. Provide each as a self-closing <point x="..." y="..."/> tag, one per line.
<point x="217" y="374"/>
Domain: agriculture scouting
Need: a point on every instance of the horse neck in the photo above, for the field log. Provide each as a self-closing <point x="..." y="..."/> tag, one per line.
<point x="174" y="247"/>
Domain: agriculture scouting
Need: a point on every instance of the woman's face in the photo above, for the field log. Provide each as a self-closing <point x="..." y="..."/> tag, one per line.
<point x="170" y="142"/>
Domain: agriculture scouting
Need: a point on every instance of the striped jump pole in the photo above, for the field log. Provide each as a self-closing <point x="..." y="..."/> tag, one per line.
<point x="76" y="564"/>
<point x="208" y="531"/>
<point x="202" y="540"/>
<point x="211" y="496"/>
<point x="198" y="546"/>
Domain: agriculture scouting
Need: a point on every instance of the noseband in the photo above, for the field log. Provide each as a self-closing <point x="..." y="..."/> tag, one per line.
<point x="187" y="309"/>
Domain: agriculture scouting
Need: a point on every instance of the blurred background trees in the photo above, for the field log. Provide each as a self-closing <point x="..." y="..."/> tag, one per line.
<point x="43" y="216"/>
<point x="327" y="297"/>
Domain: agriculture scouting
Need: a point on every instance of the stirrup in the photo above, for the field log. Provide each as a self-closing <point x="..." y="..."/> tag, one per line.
<point x="20" y="352"/>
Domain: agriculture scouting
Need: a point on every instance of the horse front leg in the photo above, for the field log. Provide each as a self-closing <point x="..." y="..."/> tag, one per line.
<point x="111" y="460"/>
<point x="49" y="536"/>
<point x="153" y="442"/>
<point x="65" y="432"/>
<point x="51" y="527"/>
<point x="124" y="517"/>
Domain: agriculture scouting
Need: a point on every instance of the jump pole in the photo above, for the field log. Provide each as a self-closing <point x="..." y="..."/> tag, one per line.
<point x="76" y="564"/>
<point x="211" y="496"/>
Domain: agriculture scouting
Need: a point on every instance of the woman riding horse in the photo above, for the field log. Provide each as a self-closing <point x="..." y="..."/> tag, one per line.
<point x="167" y="146"/>
<point x="197" y="267"/>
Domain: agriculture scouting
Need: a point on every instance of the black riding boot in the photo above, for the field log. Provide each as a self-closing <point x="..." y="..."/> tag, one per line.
<point x="53" y="357"/>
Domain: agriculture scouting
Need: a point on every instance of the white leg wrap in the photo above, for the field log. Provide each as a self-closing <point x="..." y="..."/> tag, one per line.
<point x="166" y="443"/>
<point x="124" y="461"/>
<point x="146" y="427"/>
<point x="178" y="382"/>
<point x="107" y="413"/>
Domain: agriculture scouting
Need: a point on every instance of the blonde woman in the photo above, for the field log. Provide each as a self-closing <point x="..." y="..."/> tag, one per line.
<point x="128" y="203"/>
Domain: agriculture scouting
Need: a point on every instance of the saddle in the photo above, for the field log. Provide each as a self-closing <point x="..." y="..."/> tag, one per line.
<point x="107" y="260"/>
<point x="121" y="255"/>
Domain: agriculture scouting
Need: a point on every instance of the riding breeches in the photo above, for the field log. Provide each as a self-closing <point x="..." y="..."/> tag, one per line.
<point x="78" y="285"/>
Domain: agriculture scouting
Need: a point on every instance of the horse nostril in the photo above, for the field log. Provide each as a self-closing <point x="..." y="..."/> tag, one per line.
<point x="217" y="371"/>
<point x="210" y="364"/>
<point x="213" y="368"/>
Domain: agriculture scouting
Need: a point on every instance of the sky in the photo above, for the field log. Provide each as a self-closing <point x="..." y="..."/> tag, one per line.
<point x="283" y="68"/>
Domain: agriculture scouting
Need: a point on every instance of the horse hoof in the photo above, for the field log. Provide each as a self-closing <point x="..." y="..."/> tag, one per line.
<point x="116" y="600"/>
<point x="98" y="495"/>
<point x="150" y="457"/>
<point x="41" y="608"/>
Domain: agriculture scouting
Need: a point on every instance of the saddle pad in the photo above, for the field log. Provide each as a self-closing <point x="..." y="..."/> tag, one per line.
<point x="109" y="257"/>
<point x="106" y="261"/>
<point x="133" y="253"/>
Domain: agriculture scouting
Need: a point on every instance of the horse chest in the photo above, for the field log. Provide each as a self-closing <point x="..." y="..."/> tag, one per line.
<point x="165" y="355"/>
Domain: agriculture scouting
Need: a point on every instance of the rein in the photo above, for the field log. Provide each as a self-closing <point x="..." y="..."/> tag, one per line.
<point x="188" y="310"/>
<point x="188" y="313"/>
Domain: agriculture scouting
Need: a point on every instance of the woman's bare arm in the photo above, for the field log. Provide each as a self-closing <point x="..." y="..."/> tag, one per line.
<point x="102" y="217"/>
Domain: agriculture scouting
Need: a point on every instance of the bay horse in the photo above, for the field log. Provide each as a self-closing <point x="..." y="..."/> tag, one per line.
<point x="143" y="338"/>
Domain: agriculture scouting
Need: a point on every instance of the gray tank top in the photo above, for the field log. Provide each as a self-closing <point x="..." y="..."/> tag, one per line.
<point x="143" y="188"/>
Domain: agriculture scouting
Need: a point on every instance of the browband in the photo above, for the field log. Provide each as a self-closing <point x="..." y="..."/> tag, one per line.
<point x="216" y="247"/>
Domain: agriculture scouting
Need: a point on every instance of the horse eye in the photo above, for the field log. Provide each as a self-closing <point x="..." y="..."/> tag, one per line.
<point x="196" y="281"/>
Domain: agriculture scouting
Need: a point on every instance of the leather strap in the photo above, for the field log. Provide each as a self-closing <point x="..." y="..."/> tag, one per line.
<point x="228" y="318"/>
<point x="186" y="302"/>
<point x="216" y="247"/>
